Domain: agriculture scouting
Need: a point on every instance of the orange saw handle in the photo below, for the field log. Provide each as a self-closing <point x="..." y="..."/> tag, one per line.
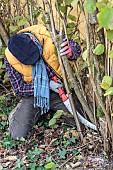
<point x="60" y="90"/>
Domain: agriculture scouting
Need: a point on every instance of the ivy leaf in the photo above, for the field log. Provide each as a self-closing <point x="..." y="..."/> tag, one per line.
<point x="99" y="49"/>
<point x="106" y="82"/>
<point x="109" y="91"/>
<point x="62" y="153"/>
<point x="52" y="122"/>
<point x="110" y="54"/>
<point x="105" y="17"/>
<point x="58" y="114"/>
<point x="90" y="6"/>
<point x="49" y="165"/>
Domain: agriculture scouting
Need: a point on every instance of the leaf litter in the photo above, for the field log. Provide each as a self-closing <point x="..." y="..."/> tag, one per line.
<point x="52" y="148"/>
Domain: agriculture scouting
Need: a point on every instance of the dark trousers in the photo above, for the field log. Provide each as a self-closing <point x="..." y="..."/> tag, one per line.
<point x="25" y="115"/>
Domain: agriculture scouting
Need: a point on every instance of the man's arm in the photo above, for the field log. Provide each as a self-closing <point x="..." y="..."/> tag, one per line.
<point x="20" y="87"/>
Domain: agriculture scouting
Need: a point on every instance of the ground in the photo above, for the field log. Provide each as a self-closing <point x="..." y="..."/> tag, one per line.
<point x="51" y="147"/>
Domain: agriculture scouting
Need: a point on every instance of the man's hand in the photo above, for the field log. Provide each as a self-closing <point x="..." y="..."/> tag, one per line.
<point x="54" y="86"/>
<point x="65" y="49"/>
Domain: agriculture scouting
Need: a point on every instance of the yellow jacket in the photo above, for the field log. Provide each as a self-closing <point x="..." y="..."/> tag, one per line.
<point x="50" y="58"/>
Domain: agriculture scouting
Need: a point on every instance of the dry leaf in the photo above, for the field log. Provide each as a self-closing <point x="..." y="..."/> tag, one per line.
<point x="77" y="164"/>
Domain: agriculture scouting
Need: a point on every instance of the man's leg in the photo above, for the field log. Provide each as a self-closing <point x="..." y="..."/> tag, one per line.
<point x="23" y="118"/>
<point x="25" y="115"/>
<point x="57" y="104"/>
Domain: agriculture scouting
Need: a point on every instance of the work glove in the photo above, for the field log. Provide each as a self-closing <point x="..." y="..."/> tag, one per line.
<point x="54" y="86"/>
<point x="65" y="49"/>
<point x="71" y="49"/>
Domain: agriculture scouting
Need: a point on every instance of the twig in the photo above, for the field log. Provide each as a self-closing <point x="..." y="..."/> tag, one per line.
<point x="71" y="158"/>
<point x="82" y="147"/>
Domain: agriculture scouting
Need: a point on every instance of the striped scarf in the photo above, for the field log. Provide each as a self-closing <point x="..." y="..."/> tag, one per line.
<point x="41" y="82"/>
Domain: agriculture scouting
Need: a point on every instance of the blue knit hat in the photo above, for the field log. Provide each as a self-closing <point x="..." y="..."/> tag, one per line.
<point x="24" y="49"/>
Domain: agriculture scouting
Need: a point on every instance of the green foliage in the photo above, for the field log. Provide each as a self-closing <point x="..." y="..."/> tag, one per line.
<point x="57" y="115"/>
<point x="19" y="163"/>
<point x="109" y="91"/>
<point x="49" y="165"/>
<point x="7" y="104"/>
<point x="110" y="35"/>
<point x="71" y="25"/>
<point x="90" y="6"/>
<point x="8" y="143"/>
<point x="3" y="124"/>
<point x="105" y="18"/>
<point x="52" y="122"/>
<point x="100" y="5"/>
<point x="32" y="166"/>
<point x="84" y="55"/>
<point x="110" y="54"/>
<point x="72" y="17"/>
<point x="33" y="153"/>
<point x="100" y="113"/>
<point x="62" y="153"/>
<point x="106" y="82"/>
<point x="99" y="49"/>
<point x="63" y="9"/>
<point x="68" y="2"/>
<point x="71" y="141"/>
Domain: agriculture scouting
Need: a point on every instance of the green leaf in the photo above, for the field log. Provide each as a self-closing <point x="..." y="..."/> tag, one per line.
<point x="110" y="35"/>
<point x="0" y="64"/>
<point x="74" y="3"/>
<point x="2" y="98"/>
<point x="62" y="153"/>
<point x="84" y="65"/>
<point x="49" y="165"/>
<point x="17" y="18"/>
<point x="84" y="55"/>
<point x="99" y="28"/>
<point x="106" y="82"/>
<point x="71" y="25"/>
<point x="63" y="9"/>
<point x="90" y="6"/>
<point x="52" y="122"/>
<point x="72" y="17"/>
<point x="100" y="5"/>
<point x="36" y="13"/>
<point x="99" y="49"/>
<point x="58" y="114"/>
<point x="13" y="28"/>
<point x="68" y="2"/>
<point x="105" y="18"/>
<point x="109" y="91"/>
<point x="110" y="54"/>
<point x="22" y="22"/>
<point x="0" y="42"/>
